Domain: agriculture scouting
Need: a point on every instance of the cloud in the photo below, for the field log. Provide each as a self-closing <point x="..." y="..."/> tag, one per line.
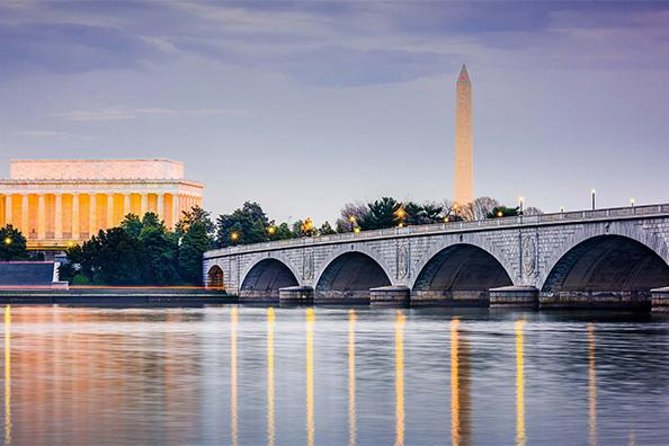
<point x="53" y="134"/>
<point x="123" y="113"/>
<point x="330" y="43"/>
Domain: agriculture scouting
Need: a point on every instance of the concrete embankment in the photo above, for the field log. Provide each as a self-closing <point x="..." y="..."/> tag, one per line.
<point x="115" y="296"/>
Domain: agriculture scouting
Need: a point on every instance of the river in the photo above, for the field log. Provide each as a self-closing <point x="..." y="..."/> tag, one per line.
<point x="341" y="376"/>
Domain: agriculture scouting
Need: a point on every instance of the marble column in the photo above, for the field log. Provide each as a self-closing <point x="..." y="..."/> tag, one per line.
<point x="58" y="217"/>
<point x="176" y="209"/>
<point x="76" y="224"/>
<point x="126" y="205"/>
<point x="161" y="205"/>
<point x="144" y="207"/>
<point x="25" y="216"/>
<point x="41" y="216"/>
<point x="93" y="215"/>
<point x="110" y="211"/>
<point x="8" y="210"/>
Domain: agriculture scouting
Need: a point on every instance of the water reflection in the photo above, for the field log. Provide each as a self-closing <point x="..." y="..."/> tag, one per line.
<point x="460" y="383"/>
<point x="592" y="387"/>
<point x="399" y="378"/>
<point x="8" y="374"/>
<point x="234" y="422"/>
<point x="351" y="379"/>
<point x="270" y="377"/>
<point x="236" y="376"/>
<point x="310" y="375"/>
<point x="520" y="385"/>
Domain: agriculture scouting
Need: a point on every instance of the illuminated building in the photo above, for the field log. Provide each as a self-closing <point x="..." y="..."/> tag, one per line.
<point x="56" y="203"/>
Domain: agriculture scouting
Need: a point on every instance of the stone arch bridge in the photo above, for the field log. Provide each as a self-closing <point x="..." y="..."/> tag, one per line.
<point x="611" y="257"/>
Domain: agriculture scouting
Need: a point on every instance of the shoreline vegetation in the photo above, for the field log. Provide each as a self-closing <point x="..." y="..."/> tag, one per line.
<point x="143" y="252"/>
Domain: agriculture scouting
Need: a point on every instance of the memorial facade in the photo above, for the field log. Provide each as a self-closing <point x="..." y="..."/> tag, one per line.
<point x="58" y="203"/>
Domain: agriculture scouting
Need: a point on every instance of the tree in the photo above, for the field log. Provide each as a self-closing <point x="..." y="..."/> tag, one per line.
<point x="12" y="244"/>
<point x="381" y="214"/>
<point x="326" y="229"/>
<point x="195" y="234"/>
<point x="245" y="225"/>
<point x="283" y="232"/>
<point x="502" y="211"/>
<point x="350" y="216"/>
<point x="424" y="214"/>
<point x="478" y="209"/>
<point x="532" y="211"/>
<point x="159" y="251"/>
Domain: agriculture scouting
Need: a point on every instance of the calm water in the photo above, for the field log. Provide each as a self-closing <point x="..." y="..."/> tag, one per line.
<point x="254" y="376"/>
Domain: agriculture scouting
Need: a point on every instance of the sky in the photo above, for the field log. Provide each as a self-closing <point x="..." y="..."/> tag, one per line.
<point x="304" y="106"/>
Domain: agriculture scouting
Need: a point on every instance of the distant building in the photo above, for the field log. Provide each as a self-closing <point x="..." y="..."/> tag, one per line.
<point x="56" y="203"/>
<point x="464" y="146"/>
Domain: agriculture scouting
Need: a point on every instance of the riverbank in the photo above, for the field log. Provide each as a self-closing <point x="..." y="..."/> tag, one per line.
<point x="93" y="296"/>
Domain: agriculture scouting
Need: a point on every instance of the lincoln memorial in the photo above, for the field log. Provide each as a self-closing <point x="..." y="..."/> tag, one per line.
<point x="56" y="203"/>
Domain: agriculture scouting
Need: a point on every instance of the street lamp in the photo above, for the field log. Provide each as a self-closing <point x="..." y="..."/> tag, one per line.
<point x="356" y="229"/>
<point x="632" y="202"/>
<point x="234" y="236"/>
<point x="521" y="201"/>
<point x="400" y="214"/>
<point x="352" y="220"/>
<point x="500" y="214"/>
<point x="8" y="241"/>
<point x="271" y="230"/>
<point x="593" y="196"/>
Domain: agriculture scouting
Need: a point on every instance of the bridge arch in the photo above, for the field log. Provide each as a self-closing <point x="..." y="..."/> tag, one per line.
<point x="347" y="277"/>
<point x="610" y="263"/>
<point x="462" y="272"/>
<point x="264" y="277"/>
<point x="215" y="278"/>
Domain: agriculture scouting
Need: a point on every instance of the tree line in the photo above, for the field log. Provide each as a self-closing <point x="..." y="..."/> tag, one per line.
<point x="250" y="224"/>
<point x="143" y="251"/>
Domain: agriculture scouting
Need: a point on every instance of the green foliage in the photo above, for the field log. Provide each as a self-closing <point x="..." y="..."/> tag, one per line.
<point x="143" y="252"/>
<point x="502" y="211"/>
<point x="423" y="214"/>
<point x="12" y="244"/>
<point x="245" y="225"/>
<point x="326" y="229"/>
<point x="196" y="237"/>
<point x="249" y="224"/>
<point x="80" y="279"/>
<point x="381" y="214"/>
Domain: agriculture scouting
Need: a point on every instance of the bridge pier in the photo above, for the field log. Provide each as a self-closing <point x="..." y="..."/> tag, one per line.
<point x="392" y="296"/>
<point x="660" y="299"/>
<point x="514" y="297"/>
<point x="596" y="300"/>
<point x="296" y="295"/>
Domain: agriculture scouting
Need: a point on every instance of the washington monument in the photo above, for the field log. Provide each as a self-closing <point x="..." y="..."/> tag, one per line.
<point x="464" y="152"/>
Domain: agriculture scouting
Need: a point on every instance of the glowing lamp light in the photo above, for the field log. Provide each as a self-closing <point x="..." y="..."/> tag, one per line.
<point x="356" y="229"/>
<point x="352" y="219"/>
<point x="500" y="214"/>
<point x="8" y="241"/>
<point x="271" y="230"/>
<point x="234" y="236"/>
<point x="632" y="202"/>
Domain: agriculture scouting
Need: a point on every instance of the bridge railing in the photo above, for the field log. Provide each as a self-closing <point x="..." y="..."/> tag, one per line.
<point x="619" y="212"/>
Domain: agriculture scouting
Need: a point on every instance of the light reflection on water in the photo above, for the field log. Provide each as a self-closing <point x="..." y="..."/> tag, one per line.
<point x="311" y="376"/>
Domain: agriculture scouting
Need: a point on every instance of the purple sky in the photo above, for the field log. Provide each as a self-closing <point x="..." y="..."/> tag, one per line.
<point x="303" y="106"/>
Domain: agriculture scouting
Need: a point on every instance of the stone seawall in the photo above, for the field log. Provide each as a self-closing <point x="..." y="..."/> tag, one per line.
<point x="116" y="296"/>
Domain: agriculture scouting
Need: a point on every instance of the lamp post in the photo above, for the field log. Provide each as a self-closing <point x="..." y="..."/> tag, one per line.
<point x="593" y="196"/>
<point x="8" y="241"/>
<point x="632" y="202"/>
<point x="521" y="202"/>
<point x="352" y="220"/>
